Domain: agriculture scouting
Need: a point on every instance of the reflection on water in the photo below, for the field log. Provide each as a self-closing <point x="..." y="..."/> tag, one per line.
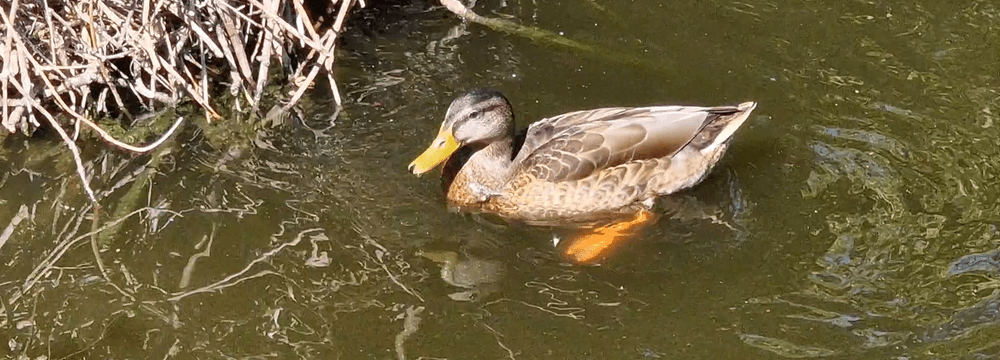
<point x="462" y="270"/>
<point x="855" y="216"/>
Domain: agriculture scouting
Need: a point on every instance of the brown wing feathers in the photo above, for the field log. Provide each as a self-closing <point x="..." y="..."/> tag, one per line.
<point x="602" y="142"/>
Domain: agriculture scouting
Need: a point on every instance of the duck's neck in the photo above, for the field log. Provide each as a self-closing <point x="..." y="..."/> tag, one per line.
<point x="487" y="171"/>
<point x="494" y="160"/>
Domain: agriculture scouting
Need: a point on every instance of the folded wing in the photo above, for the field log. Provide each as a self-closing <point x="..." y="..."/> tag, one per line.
<point x="576" y="145"/>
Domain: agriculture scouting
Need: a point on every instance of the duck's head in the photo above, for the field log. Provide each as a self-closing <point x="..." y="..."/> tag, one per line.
<point x="478" y="117"/>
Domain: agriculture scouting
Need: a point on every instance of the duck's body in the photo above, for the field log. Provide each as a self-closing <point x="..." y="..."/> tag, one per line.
<point x="578" y="167"/>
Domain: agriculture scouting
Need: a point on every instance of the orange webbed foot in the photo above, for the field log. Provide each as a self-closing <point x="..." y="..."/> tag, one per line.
<point x="596" y="244"/>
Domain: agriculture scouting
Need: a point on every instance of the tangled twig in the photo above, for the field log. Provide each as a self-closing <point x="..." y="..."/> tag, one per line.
<point x="62" y="62"/>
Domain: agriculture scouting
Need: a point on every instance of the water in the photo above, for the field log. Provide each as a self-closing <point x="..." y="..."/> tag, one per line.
<point x="854" y="217"/>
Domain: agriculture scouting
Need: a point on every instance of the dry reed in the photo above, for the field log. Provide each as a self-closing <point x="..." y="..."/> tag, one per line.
<point x="66" y="62"/>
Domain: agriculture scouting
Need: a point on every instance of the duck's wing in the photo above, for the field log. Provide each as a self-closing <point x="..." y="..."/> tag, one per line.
<point x="576" y="145"/>
<point x="542" y="131"/>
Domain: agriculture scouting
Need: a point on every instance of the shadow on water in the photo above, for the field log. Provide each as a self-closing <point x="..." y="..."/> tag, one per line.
<point x="855" y="215"/>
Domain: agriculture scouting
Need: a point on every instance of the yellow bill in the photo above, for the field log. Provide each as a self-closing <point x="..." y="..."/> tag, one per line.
<point x="441" y="148"/>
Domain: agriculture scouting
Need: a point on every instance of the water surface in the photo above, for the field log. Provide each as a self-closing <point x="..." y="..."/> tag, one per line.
<point x="854" y="217"/>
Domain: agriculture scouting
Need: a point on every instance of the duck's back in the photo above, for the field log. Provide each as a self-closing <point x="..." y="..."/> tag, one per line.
<point x="590" y="163"/>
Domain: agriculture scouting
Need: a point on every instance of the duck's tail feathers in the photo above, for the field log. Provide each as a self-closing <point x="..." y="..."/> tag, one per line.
<point x="720" y="126"/>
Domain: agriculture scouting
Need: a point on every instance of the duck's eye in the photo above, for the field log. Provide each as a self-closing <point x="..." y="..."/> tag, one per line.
<point x="475" y="114"/>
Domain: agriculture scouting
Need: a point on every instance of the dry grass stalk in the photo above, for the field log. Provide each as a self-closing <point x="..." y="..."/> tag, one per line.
<point x="62" y="59"/>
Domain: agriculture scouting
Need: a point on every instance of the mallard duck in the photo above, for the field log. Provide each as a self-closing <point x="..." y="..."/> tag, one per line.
<point x="577" y="168"/>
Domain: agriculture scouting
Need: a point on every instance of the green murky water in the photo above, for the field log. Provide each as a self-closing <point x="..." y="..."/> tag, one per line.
<point x="855" y="216"/>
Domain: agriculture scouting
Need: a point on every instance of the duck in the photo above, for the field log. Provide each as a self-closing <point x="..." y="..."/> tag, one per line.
<point x="599" y="170"/>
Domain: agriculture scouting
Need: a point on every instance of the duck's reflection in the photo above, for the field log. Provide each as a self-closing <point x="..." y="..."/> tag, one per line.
<point x="479" y="276"/>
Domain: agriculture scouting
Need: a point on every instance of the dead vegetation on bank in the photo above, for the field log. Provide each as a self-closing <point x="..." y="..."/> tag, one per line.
<point x="65" y="63"/>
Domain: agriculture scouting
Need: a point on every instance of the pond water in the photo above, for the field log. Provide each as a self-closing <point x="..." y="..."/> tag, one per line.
<point x="854" y="217"/>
